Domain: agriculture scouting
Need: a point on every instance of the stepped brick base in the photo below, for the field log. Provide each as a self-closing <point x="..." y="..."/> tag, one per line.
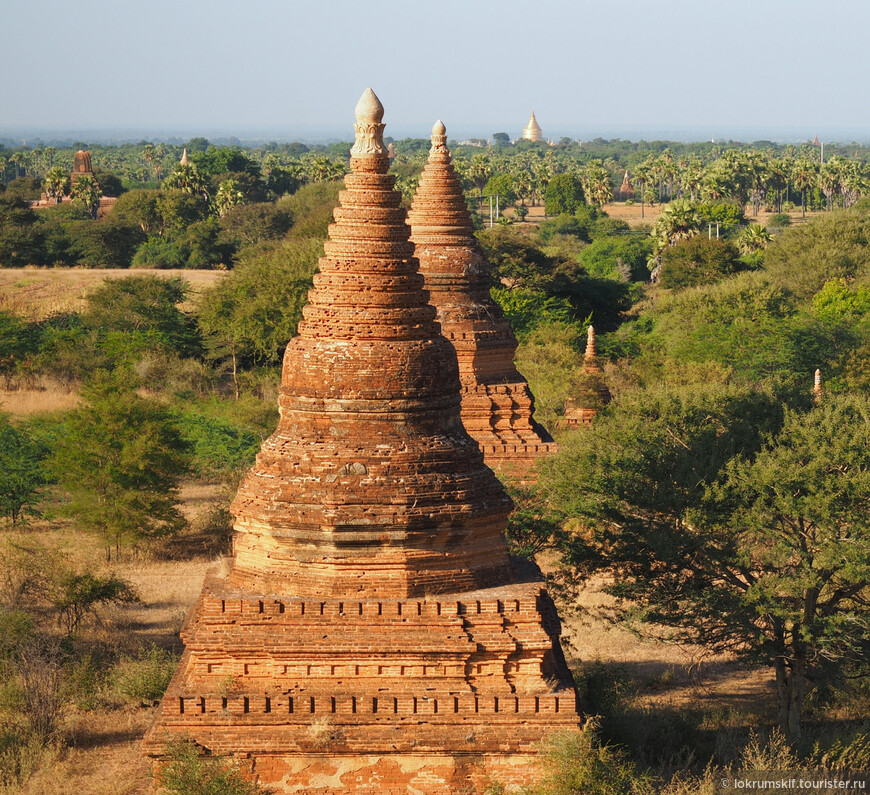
<point x="404" y="695"/>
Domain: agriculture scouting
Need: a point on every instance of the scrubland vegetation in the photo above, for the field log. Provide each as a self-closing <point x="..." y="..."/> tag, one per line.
<point x="715" y="505"/>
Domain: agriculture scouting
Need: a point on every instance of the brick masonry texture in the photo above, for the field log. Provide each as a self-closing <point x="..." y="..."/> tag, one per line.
<point x="372" y="634"/>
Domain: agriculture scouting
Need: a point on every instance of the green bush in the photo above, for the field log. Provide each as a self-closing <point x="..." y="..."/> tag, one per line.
<point x="145" y="677"/>
<point x="188" y="772"/>
<point x="697" y="261"/>
<point x="576" y="762"/>
<point x="219" y="447"/>
<point x="20" y="755"/>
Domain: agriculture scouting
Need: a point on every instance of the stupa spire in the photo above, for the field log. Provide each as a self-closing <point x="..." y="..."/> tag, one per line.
<point x="185" y="160"/>
<point x="496" y="402"/>
<point x="625" y="189"/>
<point x="590" y="357"/>
<point x="817" y="386"/>
<point x="369" y="127"/>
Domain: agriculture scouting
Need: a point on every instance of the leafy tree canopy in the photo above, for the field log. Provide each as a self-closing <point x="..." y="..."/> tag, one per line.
<point x="143" y="304"/>
<point x="119" y="460"/>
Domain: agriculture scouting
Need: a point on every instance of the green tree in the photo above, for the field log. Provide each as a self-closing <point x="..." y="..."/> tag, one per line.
<point x="253" y="313"/>
<point x="86" y="191"/>
<point x="696" y="261"/>
<point x="119" y="461"/>
<point x="18" y="341"/>
<point x="793" y="533"/>
<point x="752" y="238"/>
<point x="250" y="224"/>
<point x="139" y="207"/>
<point x="623" y="257"/>
<point x="596" y="183"/>
<point x="22" y="241"/>
<point x="78" y="595"/>
<point x="503" y="186"/>
<point x="224" y="159"/>
<point x="187" y="179"/>
<point x="22" y="475"/>
<point x="108" y="243"/>
<point x="726" y="527"/>
<point x="144" y="305"/>
<point x="56" y="183"/>
<point x="679" y="220"/>
<point x="803" y="177"/>
<point x="514" y="259"/>
<point x="564" y="194"/>
<point x="228" y="196"/>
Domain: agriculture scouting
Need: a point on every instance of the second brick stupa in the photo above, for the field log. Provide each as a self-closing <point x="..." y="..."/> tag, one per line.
<point x="372" y="634"/>
<point x="497" y="405"/>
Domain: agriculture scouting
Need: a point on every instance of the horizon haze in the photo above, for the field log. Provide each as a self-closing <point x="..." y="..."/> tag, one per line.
<point x="273" y="70"/>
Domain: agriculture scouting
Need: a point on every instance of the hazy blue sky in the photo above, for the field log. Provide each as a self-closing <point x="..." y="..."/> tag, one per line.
<point x="295" y="69"/>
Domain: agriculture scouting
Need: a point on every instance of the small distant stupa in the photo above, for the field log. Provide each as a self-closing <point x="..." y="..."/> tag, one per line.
<point x="816" y="141"/>
<point x="625" y="189"/>
<point x="591" y="394"/>
<point x="533" y="131"/>
<point x="185" y="160"/>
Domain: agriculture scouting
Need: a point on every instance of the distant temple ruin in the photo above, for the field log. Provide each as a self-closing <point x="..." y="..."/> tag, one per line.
<point x="372" y="634"/>
<point x="497" y="405"/>
<point x="81" y="168"/>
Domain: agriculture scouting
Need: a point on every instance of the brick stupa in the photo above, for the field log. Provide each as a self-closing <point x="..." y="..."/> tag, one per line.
<point x="590" y="390"/>
<point x="497" y="405"/>
<point x="371" y="635"/>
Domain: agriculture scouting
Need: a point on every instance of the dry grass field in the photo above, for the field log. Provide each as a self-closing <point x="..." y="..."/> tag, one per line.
<point x="631" y="214"/>
<point x="103" y="755"/>
<point x="36" y="293"/>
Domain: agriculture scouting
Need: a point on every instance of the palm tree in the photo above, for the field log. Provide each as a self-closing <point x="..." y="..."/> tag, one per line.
<point x="643" y="175"/>
<point x="148" y="155"/>
<point x="479" y="172"/>
<point x="679" y="220"/>
<point x="752" y="238"/>
<point x="228" y="196"/>
<point x="596" y="183"/>
<point x="854" y="182"/>
<point x="186" y="178"/>
<point x="86" y="190"/>
<point x="691" y="173"/>
<point x="17" y="158"/>
<point x="56" y="183"/>
<point x="777" y="179"/>
<point x="803" y="177"/>
<point x="830" y="180"/>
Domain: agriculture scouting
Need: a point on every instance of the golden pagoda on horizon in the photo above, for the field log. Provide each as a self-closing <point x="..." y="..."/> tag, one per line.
<point x="533" y="131"/>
